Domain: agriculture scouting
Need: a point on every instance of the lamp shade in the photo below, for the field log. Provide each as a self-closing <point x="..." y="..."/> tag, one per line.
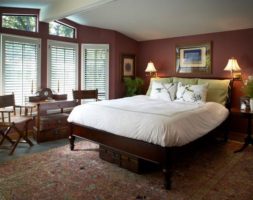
<point x="232" y="65"/>
<point x="150" y="67"/>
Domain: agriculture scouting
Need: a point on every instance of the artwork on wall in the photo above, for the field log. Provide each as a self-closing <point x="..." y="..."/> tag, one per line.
<point x="128" y="65"/>
<point x="195" y="58"/>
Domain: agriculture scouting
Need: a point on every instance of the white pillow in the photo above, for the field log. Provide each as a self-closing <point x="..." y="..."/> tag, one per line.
<point x="164" y="91"/>
<point x="191" y="93"/>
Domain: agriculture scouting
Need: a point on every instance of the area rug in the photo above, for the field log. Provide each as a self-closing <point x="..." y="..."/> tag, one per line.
<point x="208" y="172"/>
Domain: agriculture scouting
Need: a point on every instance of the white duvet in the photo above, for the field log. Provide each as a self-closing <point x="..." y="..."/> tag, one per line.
<point x="151" y="120"/>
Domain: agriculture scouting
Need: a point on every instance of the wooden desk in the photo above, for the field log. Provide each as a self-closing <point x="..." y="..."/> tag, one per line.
<point x="51" y="119"/>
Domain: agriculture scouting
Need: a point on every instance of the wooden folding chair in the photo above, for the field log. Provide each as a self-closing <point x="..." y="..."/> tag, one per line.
<point x="9" y="122"/>
<point x="79" y="95"/>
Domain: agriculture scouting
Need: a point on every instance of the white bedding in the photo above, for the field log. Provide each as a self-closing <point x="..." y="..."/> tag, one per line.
<point x="151" y="120"/>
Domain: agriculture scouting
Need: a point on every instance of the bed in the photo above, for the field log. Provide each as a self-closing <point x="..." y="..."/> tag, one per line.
<point x="150" y="126"/>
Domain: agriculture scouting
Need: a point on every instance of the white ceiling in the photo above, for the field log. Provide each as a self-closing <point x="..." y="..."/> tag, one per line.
<point x="148" y="19"/>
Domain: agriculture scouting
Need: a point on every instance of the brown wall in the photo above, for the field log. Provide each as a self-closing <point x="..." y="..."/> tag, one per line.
<point x="119" y="44"/>
<point x="238" y="44"/>
<point x="124" y="45"/>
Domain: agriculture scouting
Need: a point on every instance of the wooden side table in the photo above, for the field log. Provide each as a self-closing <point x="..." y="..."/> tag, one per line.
<point x="248" y="115"/>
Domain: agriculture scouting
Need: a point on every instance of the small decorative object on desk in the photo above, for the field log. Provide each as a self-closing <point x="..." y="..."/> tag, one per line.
<point x="248" y="90"/>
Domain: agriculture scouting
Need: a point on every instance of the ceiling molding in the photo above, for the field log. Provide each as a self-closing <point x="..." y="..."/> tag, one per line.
<point x="59" y="9"/>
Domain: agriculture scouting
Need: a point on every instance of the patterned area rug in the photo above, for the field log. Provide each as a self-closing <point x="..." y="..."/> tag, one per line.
<point x="210" y="171"/>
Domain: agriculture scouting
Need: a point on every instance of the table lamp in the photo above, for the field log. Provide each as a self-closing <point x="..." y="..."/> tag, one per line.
<point x="151" y="69"/>
<point x="233" y="66"/>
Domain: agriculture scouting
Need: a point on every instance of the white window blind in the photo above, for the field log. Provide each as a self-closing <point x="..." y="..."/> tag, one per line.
<point x="62" y="62"/>
<point x="20" y="66"/>
<point x="95" y="68"/>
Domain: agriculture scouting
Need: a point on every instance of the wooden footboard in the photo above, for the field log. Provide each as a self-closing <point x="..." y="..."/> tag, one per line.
<point x="140" y="149"/>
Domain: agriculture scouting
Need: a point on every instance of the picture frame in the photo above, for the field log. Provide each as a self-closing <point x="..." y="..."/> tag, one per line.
<point x="128" y="65"/>
<point x="244" y="103"/>
<point x="194" y="58"/>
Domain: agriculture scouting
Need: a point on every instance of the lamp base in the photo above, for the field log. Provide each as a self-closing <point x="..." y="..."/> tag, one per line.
<point x="237" y="75"/>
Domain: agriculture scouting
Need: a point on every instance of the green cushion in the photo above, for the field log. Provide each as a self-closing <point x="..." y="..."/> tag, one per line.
<point x="161" y="80"/>
<point x="217" y="90"/>
<point x="191" y="81"/>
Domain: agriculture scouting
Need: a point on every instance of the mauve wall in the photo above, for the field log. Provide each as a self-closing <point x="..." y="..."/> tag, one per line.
<point x="124" y="45"/>
<point x="238" y="44"/>
<point x="119" y="44"/>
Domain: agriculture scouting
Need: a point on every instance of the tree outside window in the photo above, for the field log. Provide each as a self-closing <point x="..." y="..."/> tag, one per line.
<point x="59" y="29"/>
<point x="20" y="22"/>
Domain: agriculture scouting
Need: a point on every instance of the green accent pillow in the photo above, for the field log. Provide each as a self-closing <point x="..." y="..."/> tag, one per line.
<point x="185" y="81"/>
<point x="157" y="79"/>
<point x="217" y="90"/>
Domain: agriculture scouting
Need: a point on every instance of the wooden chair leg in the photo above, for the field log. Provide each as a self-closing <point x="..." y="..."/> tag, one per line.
<point x="26" y="135"/>
<point x="15" y="145"/>
<point x="23" y="134"/>
<point x="5" y="136"/>
<point x="28" y="141"/>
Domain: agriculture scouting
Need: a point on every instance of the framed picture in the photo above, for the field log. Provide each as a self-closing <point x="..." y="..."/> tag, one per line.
<point x="195" y="58"/>
<point x="244" y="103"/>
<point x="128" y="65"/>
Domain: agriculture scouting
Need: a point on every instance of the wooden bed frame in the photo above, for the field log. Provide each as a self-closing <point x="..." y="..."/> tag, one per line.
<point x="137" y="148"/>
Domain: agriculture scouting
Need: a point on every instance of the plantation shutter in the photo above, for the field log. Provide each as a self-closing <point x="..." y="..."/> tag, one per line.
<point x="20" y="66"/>
<point x="62" y="67"/>
<point x="95" y="69"/>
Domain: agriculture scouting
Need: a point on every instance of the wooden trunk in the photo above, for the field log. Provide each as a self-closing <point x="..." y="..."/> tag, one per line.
<point x="124" y="160"/>
<point x="52" y="127"/>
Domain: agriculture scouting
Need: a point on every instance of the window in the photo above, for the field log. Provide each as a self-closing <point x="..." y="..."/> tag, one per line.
<point x="95" y="68"/>
<point x="60" y="29"/>
<point x="20" y="66"/>
<point x="62" y="71"/>
<point x="20" y="22"/>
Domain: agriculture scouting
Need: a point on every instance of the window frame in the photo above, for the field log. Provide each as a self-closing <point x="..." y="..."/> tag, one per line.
<point x="97" y="46"/>
<point x="20" y="14"/>
<point x="61" y="44"/>
<point x="64" y="24"/>
<point x="3" y="38"/>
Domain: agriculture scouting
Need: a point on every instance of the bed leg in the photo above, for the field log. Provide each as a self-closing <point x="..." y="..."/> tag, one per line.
<point x="167" y="170"/>
<point x="167" y="178"/>
<point x="71" y="142"/>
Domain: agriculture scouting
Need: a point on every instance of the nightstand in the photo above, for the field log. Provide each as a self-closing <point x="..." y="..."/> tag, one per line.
<point x="248" y="115"/>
